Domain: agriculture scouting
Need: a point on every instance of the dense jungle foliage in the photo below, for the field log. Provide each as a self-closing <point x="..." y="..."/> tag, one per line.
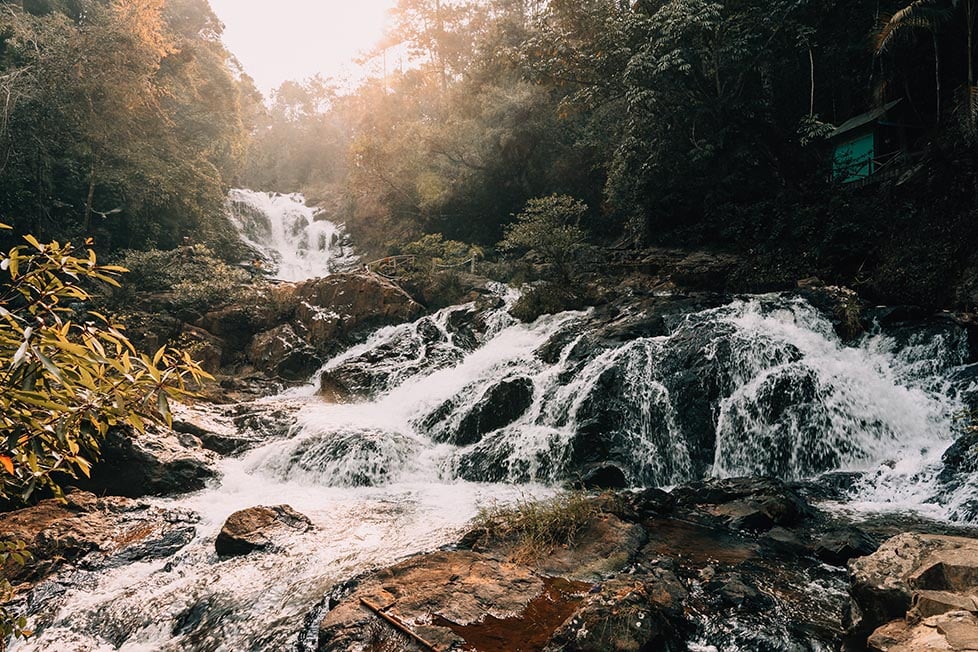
<point x="120" y="119"/>
<point x="680" y="122"/>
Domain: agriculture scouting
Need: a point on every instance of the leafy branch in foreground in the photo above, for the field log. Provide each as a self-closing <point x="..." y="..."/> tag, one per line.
<point x="64" y="381"/>
<point x="11" y="624"/>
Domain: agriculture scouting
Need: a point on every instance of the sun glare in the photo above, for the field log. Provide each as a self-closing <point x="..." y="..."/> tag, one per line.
<point x="296" y="39"/>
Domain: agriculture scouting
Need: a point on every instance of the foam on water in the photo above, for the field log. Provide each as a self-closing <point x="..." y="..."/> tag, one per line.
<point x="778" y="393"/>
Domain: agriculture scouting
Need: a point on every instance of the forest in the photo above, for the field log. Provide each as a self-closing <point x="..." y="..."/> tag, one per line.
<point x="691" y="123"/>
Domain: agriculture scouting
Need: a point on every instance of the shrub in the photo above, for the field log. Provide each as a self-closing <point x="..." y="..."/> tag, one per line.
<point x="547" y="299"/>
<point x="549" y="228"/>
<point x="195" y="279"/>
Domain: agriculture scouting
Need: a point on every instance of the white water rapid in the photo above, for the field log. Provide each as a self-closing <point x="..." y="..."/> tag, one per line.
<point x="293" y="240"/>
<point x="467" y="407"/>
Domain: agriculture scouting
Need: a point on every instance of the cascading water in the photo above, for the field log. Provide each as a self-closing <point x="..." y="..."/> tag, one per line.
<point x="467" y="406"/>
<point x="291" y="238"/>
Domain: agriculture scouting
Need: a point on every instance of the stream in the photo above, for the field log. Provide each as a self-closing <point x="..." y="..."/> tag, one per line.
<point x="467" y="407"/>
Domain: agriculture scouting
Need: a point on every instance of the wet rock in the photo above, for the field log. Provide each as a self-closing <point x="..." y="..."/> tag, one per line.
<point x="960" y="463"/>
<point x="333" y="308"/>
<point x="651" y="502"/>
<point x="281" y="352"/>
<point x="840" y="305"/>
<point x="466" y="325"/>
<point x="619" y="414"/>
<point x="406" y="352"/>
<point x="644" y="614"/>
<point x="604" y="476"/>
<point x="752" y="504"/>
<point x="155" y="463"/>
<point x="258" y="528"/>
<point x="349" y="457"/>
<point x="228" y="431"/>
<point x="883" y="584"/>
<point x="99" y="532"/>
<point x="784" y="541"/>
<point x="954" y="631"/>
<point x="500" y="405"/>
<point x="255" y="423"/>
<point x="733" y="591"/>
<point x="652" y="316"/>
<point x="839" y="546"/>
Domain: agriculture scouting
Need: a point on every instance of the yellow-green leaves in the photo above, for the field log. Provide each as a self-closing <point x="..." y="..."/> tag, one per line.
<point x="68" y="376"/>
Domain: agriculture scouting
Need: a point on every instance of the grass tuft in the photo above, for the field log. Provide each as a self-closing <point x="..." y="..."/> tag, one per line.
<point x="538" y="527"/>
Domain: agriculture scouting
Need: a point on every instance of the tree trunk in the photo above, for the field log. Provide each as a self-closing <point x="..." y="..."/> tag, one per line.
<point x="87" y="222"/>
<point x="440" y="36"/>
<point x="937" y="75"/>
<point x="811" y="74"/>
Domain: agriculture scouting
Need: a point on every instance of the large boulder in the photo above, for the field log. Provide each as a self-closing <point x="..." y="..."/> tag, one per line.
<point x="750" y="504"/>
<point x="155" y="463"/>
<point x="105" y="531"/>
<point x="259" y="528"/>
<point x="953" y="631"/>
<point x="499" y="406"/>
<point x="406" y="351"/>
<point x="913" y="576"/>
<point x="282" y="352"/>
<point x="332" y="309"/>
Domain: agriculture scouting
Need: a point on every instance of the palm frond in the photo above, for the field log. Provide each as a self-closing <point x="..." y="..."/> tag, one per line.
<point x="919" y="14"/>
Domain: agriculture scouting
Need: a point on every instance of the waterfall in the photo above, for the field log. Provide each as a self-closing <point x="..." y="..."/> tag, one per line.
<point x="429" y="420"/>
<point x="762" y="386"/>
<point x="291" y="239"/>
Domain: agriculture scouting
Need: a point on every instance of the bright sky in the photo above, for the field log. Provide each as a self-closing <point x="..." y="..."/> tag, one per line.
<point x="295" y="39"/>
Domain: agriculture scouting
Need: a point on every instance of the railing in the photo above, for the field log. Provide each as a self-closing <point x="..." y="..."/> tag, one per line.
<point x="886" y="167"/>
<point x="392" y="266"/>
<point x="389" y="266"/>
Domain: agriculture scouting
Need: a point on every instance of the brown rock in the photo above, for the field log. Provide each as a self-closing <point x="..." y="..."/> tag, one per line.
<point x="884" y="584"/>
<point x="58" y="534"/>
<point x="431" y="593"/>
<point x="934" y="603"/>
<point x="281" y="352"/>
<point x="258" y="528"/>
<point x="955" y="631"/>
<point x="607" y="545"/>
<point x="334" y="307"/>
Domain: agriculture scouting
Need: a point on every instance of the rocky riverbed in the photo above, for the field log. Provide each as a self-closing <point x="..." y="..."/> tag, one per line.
<point x="335" y="513"/>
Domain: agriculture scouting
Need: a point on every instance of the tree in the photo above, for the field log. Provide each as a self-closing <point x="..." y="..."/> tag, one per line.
<point x="68" y="375"/>
<point x="926" y="15"/>
<point x="932" y="15"/>
<point x="125" y="121"/>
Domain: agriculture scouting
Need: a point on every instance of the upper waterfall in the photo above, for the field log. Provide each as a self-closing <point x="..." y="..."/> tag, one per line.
<point x="291" y="237"/>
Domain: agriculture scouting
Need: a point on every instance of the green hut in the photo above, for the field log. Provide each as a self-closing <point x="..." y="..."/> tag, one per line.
<point x="866" y="143"/>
